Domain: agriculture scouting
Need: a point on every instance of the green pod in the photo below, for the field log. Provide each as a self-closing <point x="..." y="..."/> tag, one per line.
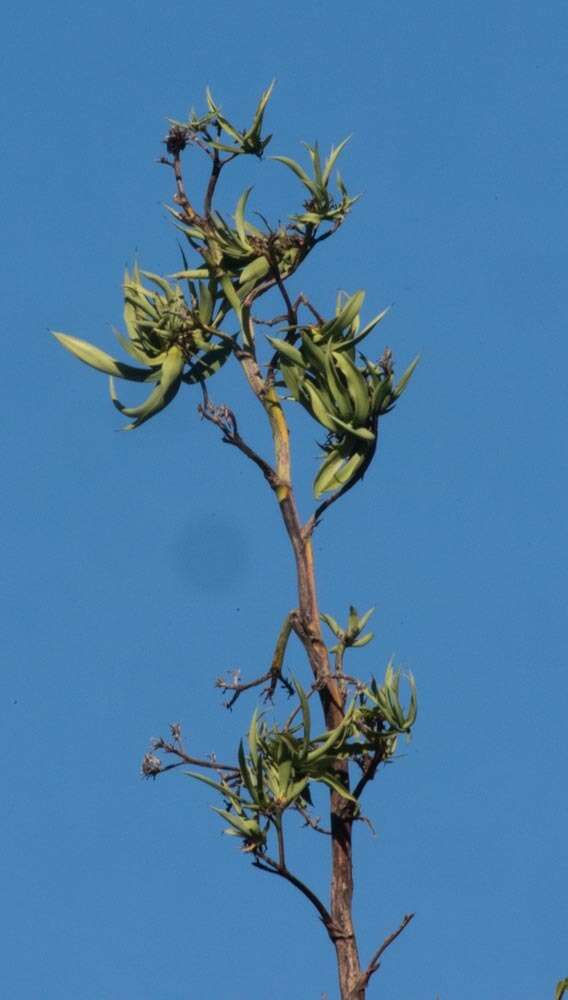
<point x="341" y="397"/>
<point x="136" y="351"/>
<point x="102" y="361"/>
<point x="252" y="737"/>
<point x="358" y="643"/>
<point x="168" y="290"/>
<point x="362" y="433"/>
<point x="284" y="775"/>
<point x="240" y="218"/>
<point x="296" y="790"/>
<point x="351" y="467"/>
<point x="206" y="302"/>
<point x="326" y="477"/>
<point x="331" y="160"/>
<point x="253" y="134"/>
<point x="351" y="342"/>
<point x="314" y="354"/>
<point x="129" y="314"/>
<point x="357" y="388"/>
<point x="140" y="303"/>
<point x="192" y="273"/>
<point x="332" y="782"/>
<point x="298" y="171"/>
<point x="365" y="618"/>
<point x="313" y="402"/>
<point x="246" y="775"/>
<point x="247" y="828"/>
<point x="230" y="294"/>
<point x="401" y="386"/>
<point x="382" y="395"/>
<point x="209" y="363"/>
<point x="254" y="271"/>
<point x="293" y="376"/>
<point x="223" y="789"/>
<point x="333" y="625"/>
<point x="288" y="351"/>
<point x="162" y="395"/>
<point x="333" y="328"/>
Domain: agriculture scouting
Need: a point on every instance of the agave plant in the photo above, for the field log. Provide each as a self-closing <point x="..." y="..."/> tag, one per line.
<point x="171" y="338"/>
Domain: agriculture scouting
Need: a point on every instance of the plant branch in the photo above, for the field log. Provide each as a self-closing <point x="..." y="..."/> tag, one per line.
<point x="290" y="311"/>
<point x="174" y="747"/>
<point x="376" y="959"/>
<point x="238" y="688"/>
<point x="268" y="864"/>
<point x="273" y="674"/>
<point x="369" y="771"/>
<point x="281" y="845"/>
<point x="216" y="167"/>
<point x="224" y="418"/>
<point x="180" y="197"/>
<point x="312" y="822"/>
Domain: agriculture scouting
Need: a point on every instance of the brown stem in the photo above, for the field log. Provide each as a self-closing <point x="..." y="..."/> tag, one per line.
<point x="309" y="629"/>
<point x="239" y="688"/>
<point x="185" y="758"/>
<point x="180" y="197"/>
<point x="375" y="962"/>
<point x="273" y="674"/>
<point x="267" y="864"/>
<point x="370" y="769"/>
<point x="224" y="418"/>
<point x="216" y="168"/>
<point x="307" y="626"/>
<point x="312" y="821"/>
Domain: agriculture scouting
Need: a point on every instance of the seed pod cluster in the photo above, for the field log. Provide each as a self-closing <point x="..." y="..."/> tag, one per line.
<point x="319" y="366"/>
<point x="240" y="257"/>
<point x="171" y="337"/>
<point x="321" y="206"/>
<point x="279" y="764"/>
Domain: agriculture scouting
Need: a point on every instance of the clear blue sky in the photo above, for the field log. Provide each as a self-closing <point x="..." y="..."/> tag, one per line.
<point x="139" y="567"/>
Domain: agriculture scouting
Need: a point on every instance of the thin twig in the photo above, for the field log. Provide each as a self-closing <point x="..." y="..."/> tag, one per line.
<point x="268" y="864"/>
<point x="281" y="845"/>
<point x="185" y="758"/>
<point x="290" y="311"/>
<point x="216" y="168"/>
<point x="181" y="198"/>
<point x="328" y="233"/>
<point x="302" y="300"/>
<point x="224" y="418"/>
<point x="376" y="959"/>
<point x="369" y="772"/>
<point x="312" y="822"/>
<point x="238" y="687"/>
<point x="273" y="674"/>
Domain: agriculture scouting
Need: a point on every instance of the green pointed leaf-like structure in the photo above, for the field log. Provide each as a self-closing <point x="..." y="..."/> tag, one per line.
<point x="165" y="333"/>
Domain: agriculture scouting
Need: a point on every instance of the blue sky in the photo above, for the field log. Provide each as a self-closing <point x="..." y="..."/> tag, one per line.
<point x="139" y="567"/>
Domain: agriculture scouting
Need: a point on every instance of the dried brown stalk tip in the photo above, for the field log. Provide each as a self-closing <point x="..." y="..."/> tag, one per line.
<point x="176" y="140"/>
<point x="151" y="765"/>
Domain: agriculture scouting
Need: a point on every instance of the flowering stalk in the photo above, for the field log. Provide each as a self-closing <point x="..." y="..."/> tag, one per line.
<point x="180" y="330"/>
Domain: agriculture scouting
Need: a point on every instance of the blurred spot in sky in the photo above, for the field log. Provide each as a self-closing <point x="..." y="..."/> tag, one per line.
<point x="210" y="554"/>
